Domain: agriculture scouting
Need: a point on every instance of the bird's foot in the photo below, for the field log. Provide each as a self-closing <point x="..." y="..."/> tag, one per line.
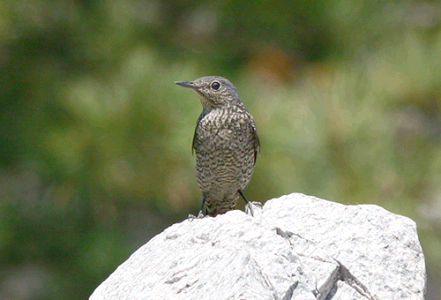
<point x="253" y="208"/>
<point x="200" y="216"/>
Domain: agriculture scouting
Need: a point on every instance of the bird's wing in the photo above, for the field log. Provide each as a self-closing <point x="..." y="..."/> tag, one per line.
<point x="195" y="142"/>
<point x="256" y="140"/>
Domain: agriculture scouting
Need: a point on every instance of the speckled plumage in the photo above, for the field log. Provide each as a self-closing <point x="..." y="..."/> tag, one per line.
<point x="225" y="141"/>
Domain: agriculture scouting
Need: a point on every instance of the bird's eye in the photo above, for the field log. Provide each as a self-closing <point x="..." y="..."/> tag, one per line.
<point x="215" y="85"/>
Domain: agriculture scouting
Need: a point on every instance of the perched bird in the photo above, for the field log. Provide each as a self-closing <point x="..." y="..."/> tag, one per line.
<point x="226" y="144"/>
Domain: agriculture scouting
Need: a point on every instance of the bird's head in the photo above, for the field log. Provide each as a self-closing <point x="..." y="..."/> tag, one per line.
<point x="214" y="91"/>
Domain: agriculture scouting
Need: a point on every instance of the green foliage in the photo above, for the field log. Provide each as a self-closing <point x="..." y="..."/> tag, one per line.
<point x="95" y="138"/>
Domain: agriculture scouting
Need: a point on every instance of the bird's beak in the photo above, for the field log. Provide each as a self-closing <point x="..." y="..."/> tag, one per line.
<point x="187" y="84"/>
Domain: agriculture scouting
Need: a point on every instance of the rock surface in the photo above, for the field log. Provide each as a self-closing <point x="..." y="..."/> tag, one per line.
<point x="295" y="247"/>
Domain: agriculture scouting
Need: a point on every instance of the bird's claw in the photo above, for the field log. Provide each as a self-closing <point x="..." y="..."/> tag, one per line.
<point x="253" y="208"/>
<point x="192" y="217"/>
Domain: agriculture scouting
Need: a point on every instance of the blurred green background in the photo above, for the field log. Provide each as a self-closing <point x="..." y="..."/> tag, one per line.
<point x="95" y="138"/>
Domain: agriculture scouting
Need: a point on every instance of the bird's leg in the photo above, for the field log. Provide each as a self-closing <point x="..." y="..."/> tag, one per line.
<point x="250" y="206"/>
<point x="243" y="196"/>
<point x="201" y="212"/>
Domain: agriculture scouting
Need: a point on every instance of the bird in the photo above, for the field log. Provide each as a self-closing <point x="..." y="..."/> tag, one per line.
<point x="226" y="143"/>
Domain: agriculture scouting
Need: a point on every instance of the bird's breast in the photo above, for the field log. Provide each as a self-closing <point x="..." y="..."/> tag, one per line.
<point x="223" y="128"/>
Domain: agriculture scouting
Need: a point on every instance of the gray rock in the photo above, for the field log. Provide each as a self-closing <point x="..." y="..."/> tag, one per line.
<point x="294" y="247"/>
